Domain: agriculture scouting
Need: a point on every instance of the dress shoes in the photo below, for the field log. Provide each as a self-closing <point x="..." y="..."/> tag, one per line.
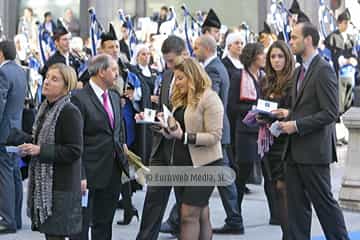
<point x="227" y="229"/>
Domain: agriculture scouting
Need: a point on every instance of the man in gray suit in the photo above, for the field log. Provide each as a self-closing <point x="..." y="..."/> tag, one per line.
<point x="312" y="143"/>
<point x="12" y="95"/>
<point x="205" y="51"/>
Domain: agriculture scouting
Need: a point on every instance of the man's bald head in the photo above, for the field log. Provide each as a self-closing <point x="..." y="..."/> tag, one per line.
<point x="204" y="47"/>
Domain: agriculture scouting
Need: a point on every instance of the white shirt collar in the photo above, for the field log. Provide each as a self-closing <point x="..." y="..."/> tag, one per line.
<point x="145" y="70"/>
<point x="98" y="91"/>
<point x="4" y="62"/>
<point x="207" y="61"/>
<point x="236" y="62"/>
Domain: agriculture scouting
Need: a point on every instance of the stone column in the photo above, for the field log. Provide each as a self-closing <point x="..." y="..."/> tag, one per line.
<point x="350" y="188"/>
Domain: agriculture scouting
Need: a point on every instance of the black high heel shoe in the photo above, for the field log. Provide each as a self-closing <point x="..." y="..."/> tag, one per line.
<point x="128" y="215"/>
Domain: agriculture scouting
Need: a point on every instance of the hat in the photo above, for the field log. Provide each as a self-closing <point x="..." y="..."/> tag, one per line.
<point x="295" y="7"/>
<point x="266" y="30"/>
<point x="344" y="16"/>
<point x="108" y="36"/>
<point x="60" y="30"/>
<point x="212" y="20"/>
<point x="112" y="30"/>
<point x="302" y="17"/>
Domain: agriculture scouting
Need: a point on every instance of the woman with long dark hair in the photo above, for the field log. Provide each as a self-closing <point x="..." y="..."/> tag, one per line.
<point x="276" y="87"/>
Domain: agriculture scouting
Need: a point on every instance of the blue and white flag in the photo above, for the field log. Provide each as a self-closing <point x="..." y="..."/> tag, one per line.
<point x="95" y="30"/>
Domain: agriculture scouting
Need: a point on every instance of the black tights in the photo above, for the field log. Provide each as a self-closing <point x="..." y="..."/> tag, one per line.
<point x="282" y="206"/>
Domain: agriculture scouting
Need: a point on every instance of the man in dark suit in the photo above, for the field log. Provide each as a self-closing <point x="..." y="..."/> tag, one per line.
<point x="12" y="95"/>
<point x="312" y="143"/>
<point x="103" y="154"/>
<point x="205" y="52"/>
<point x="157" y="197"/>
<point x="62" y="55"/>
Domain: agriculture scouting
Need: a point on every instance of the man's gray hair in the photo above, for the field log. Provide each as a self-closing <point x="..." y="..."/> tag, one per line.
<point x="208" y="42"/>
<point x="99" y="62"/>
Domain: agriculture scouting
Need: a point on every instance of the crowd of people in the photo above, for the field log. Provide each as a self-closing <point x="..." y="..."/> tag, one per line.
<point x="84" y="127"/>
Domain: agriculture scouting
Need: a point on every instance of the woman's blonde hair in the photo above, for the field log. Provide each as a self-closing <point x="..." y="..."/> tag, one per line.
<point x="198" y="82"/>
<point x="67" y="73"/>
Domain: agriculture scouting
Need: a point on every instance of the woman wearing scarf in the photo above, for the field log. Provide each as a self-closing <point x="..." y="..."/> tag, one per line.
<point x="276" y="87"/>
<point x="243" y="94"/>
<point x="54" y="200"/>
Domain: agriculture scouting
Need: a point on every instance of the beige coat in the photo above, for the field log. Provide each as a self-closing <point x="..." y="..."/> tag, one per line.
<point x="206" y="120"/>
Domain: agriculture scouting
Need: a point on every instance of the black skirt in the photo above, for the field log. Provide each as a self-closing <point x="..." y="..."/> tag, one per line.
<point x="66" y="218"/>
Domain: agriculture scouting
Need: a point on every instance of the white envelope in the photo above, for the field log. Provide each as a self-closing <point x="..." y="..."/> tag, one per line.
<point x="275" y="129"/>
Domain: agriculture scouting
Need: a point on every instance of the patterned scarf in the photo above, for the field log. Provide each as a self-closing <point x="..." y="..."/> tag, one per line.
<point x="41" y="174"/>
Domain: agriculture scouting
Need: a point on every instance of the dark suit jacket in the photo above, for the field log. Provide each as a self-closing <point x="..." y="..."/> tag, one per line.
<point x="315" y="109"/>
<point x="124" y="48"/>
<point x="101" y="142"/>
<point x="220" y="84"/>
<point x="58" y="58"/>
<point x="158" y="138"/>
<point x="12" y="94"/>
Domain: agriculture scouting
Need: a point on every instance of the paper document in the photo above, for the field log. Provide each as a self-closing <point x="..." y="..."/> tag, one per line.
<point x="167" y="114"/>
<point x="12" y="149"/>
<point x="275" y="129"/>
<point x="85" y="199"/>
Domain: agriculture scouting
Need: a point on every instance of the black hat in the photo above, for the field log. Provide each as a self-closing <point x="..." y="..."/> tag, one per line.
<point x="108" y="36"/>
<point x="302" y="17"/>
<point x="267" y="29"/>
<point x="344" y="16"/>
<point x="295" y="7"/>
<point x="212" y="20"/>
<point x="112" y="30"/>
<point x="60" y="30"/>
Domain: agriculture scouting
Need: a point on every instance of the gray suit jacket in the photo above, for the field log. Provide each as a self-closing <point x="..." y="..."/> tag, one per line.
<point x="220" y="84"/>
<point x="12" y="96"/>
<point x="315" y="109"/>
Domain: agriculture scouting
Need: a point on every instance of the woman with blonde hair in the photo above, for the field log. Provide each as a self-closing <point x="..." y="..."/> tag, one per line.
<point x="197" y="142"/>
<point x="54" y="199"/>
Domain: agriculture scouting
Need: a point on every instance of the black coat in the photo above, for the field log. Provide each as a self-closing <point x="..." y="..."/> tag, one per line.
<point x="58" y="58"/>
<point x="103" y="146"/>
<point x="124" y="48"/>
<point x="65" y="154"/>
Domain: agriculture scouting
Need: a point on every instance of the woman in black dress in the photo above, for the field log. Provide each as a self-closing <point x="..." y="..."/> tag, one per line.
<point x="54" y="200"/>
<point x="199" y="119"/>
<point x="276" y="87"/>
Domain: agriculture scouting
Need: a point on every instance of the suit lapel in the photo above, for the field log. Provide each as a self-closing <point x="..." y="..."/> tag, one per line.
<point x="307" y="78"/>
